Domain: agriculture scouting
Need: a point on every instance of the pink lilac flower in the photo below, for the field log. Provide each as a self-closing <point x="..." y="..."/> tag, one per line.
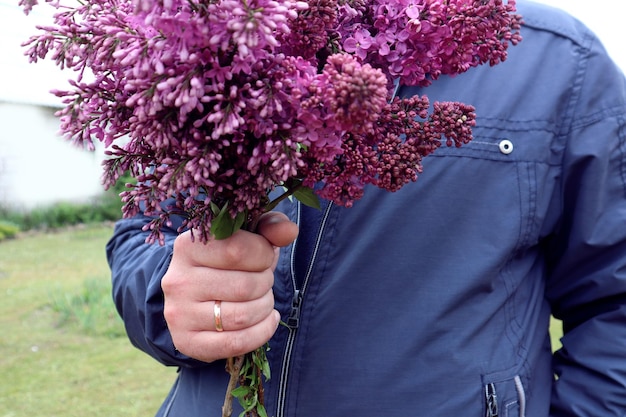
<point x="358" y="43"/>
<point x="210" y="105"/>
<point x="419" y="40"/>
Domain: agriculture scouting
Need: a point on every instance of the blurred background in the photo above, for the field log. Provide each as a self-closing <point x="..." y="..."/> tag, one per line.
<point x="36" y="166"/>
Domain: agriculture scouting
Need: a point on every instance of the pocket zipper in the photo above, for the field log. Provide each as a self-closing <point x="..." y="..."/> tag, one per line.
<point x="491" y="400"/>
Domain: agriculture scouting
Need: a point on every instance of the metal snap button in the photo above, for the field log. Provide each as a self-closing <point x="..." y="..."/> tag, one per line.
<point x="506" y="146"/>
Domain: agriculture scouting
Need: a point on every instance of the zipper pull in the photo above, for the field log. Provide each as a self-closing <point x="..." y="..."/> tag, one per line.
<point x="492" y="400"/>
<point x="293" y="321"/>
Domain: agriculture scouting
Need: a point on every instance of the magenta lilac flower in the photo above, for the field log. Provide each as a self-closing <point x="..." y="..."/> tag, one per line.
<point x="211" y="105"/>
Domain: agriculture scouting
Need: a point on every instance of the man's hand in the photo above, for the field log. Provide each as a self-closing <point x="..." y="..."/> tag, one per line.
<point x="239" y="272"/>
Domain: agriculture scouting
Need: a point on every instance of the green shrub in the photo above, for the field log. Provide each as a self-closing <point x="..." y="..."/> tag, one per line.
<point x="8" y="230"/>
<point x="62" y="214"/>
<point x="105" y="207"/>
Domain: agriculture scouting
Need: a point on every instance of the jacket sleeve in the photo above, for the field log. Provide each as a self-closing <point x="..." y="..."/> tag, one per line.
<point x="136" y="271"/>
<point x="587" y="254"/>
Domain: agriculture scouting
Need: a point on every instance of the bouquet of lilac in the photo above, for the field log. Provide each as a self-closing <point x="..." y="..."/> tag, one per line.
<point x="213" y="104"/>
<point x="217" y="102"/>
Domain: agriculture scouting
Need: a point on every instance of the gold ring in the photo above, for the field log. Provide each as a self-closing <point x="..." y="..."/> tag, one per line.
<point x="217" y="313"/>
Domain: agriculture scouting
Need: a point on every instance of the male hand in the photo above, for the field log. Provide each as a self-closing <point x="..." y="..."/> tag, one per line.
<point x="239" y="273"/>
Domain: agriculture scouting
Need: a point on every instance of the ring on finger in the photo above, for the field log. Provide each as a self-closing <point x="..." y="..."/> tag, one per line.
<point x="217" y="315"/>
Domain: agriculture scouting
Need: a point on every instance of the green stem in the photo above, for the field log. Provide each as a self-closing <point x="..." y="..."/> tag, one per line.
<point x="272" y="204"/>
<point x="234" y="365"/>
<point x="291" y="188"/>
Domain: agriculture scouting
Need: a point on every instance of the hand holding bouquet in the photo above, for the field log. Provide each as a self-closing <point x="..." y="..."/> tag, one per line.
<point x="216" y="103"/>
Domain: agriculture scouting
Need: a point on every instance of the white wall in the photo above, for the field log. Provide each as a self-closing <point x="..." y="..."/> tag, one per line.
<point x="20" y="81"/>
<point x="37" y="167"/>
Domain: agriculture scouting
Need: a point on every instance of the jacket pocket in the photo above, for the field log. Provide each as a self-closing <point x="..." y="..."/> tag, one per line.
<point x="504" y="398"/>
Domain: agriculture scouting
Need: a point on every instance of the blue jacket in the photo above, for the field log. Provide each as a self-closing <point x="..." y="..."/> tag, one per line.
<point x="436" y="300"/>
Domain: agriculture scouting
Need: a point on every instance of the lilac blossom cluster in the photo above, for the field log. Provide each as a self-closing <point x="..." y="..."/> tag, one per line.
<point x="212" y="104"/>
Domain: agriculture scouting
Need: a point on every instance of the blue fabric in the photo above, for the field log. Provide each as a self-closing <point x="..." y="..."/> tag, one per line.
<point x="424" y="301"/>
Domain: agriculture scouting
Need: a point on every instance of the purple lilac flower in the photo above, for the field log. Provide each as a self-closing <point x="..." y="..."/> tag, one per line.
<point x="359" y="43"/>
<point x="216" y="103"/>
<point x="419" y="40"/>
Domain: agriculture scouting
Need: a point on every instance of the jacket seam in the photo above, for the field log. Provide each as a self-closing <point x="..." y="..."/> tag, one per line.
<point x="527" y="161"/>
<point x="616" y="110"/>
<point x="554" y="27"/>
<point x="172" y="398"/>
<point x="568" y="123"/>
<point x="513" y="328"/>
<point x="621" y="135"/>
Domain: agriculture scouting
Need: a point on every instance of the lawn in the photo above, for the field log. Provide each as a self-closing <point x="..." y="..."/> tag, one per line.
<point x="63" y="350"/>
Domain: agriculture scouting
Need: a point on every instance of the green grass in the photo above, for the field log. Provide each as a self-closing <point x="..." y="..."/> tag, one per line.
<point x="89" y="310"/>
<point x="63" y="350"/>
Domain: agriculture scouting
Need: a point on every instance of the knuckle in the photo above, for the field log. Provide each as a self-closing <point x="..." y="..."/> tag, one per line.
<point x="240" y="318"/>
<point x="167" y="282"/>
<point x="238" y="345"/>
<point x="180" y="346"/>
<point x="178" y="341"/>
<point x="242" y="289"/>
<point x="251" y="286"/>
<point x="170" y="282"/>
<point x="248" y="249"/>
<point x="181" y="242"/>
<point x="171" y="313"/>
<point x="246" y="341"/>
<point x="232" y="251"/>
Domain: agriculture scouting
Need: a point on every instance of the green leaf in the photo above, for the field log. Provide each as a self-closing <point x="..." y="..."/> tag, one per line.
<point x="223" y="225"/>
<point x="245" y="367"/>
<point x="260" y="410"/>
<point x="266" y="370"/>
<point x="260" y="360"/>
<point x="240" y="219"/>
<point x="249" y="403"/>
<point x="307" y="197"/>
<point x="241" y="391"/>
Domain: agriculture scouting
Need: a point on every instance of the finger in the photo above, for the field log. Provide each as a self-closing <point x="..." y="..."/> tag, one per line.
<point x="205" y="284"/>
<point x="243" y="250"/>
<point x="277" y="228"/>
<point x="198" y="317"/>
<point x="209" y="346"/>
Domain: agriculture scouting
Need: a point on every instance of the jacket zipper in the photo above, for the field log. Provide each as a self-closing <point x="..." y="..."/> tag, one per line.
<point x="293" y="321"/>
<point x="492" y="400"/>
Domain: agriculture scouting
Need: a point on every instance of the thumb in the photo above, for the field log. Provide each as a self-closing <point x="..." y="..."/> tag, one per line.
<point x="277" y="228"/>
